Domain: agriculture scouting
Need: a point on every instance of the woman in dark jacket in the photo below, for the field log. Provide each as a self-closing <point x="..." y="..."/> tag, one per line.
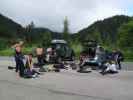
<point x="19" y="63"/>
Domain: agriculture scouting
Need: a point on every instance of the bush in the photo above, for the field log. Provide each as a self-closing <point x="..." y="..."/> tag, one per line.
<point x="3" y="44"/>
<point x="77" y="49"/>
<point x="6" y="52"/>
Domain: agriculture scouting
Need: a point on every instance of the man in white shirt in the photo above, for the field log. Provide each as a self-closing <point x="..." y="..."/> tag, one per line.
<point x="110" y="68"/>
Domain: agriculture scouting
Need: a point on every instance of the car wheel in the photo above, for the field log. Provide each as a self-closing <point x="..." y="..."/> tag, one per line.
<point x="72" y="58"/>
<point x="59" y="60"/>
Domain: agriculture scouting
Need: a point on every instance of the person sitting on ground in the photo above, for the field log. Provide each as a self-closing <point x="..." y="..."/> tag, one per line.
<point x="30" y="71"/>
<point x="109" y="67"/>
<point x="49" y="50"/>
<point x="83" y="62"/>
<point x="19" y="57"/>
<point x="51" y="55"/>
<point x="82" y="58"/>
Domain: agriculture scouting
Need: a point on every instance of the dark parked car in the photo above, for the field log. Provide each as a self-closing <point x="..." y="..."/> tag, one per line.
<point x="93" y="55"/>
<point x="61" y="51"/>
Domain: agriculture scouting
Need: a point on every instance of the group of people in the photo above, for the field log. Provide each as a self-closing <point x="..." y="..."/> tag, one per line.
<point x="113" y="62"/>
<point x="24" y="64"/>
<point x="26" y="68"/>
<point x="98" y="58"/>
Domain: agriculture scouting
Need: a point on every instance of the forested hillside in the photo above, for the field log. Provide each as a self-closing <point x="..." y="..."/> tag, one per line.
<point x="11" y="32"/>
<point x="104" y="31"/>
<point x="116" y="30"/>
<point x="8" y="28"/>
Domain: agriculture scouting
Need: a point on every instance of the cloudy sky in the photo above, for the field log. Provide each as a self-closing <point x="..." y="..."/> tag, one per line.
<point x="51" y="13"/>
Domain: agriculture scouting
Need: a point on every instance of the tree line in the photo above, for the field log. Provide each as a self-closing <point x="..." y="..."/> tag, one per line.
<point x="116" y="30"/>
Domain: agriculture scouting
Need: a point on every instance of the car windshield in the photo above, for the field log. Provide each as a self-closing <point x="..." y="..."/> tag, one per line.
<point x="57" y="46"/>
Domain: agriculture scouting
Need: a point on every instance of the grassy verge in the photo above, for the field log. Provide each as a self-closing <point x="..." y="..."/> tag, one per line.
<point x="10" y="52"/>
<point x="128" y="54"/>
<point x="6" y="52"/>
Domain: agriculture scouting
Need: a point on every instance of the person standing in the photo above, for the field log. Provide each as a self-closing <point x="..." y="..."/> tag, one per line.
<point x="119" y="58"/>
<point x="19" y="57"/>
<point x="40" y="58"/>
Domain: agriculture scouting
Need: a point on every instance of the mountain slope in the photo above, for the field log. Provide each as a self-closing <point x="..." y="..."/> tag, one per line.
<point x="107" y="28"/>
<point x="8" y="28"/>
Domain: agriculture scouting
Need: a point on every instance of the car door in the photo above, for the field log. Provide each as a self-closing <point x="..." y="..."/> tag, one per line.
<point x="67" y="51"/>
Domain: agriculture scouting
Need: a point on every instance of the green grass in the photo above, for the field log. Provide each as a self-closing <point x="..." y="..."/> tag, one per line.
<point x="6" y="52"/>
<point x="10" y="52"/>
<point x="27" y="50"/>
<point x="128" y="54"/>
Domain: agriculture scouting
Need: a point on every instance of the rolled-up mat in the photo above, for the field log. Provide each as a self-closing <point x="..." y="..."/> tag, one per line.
<point x="11" y="67"/>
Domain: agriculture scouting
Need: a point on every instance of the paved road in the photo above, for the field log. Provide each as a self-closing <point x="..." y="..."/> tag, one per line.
<point x="67" y="85"/>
